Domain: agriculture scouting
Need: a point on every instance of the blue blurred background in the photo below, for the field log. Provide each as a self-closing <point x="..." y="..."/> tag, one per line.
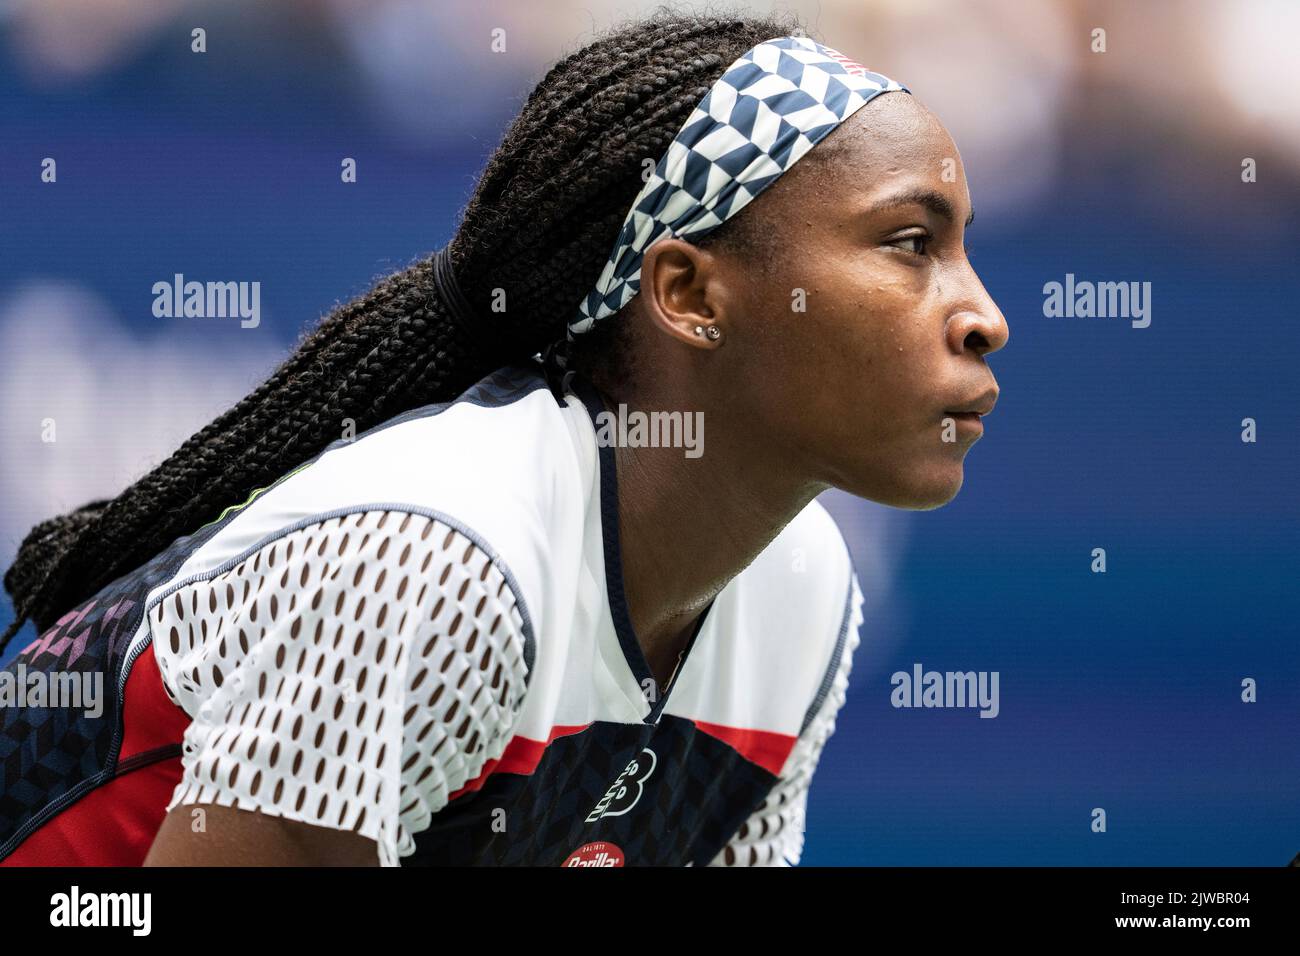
<point x="1118" y="690"/>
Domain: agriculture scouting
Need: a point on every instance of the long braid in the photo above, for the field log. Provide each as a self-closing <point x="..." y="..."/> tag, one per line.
<point x="537" y="229"/>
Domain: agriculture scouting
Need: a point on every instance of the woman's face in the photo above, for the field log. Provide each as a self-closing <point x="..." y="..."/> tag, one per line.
<point x="859" y="387"/>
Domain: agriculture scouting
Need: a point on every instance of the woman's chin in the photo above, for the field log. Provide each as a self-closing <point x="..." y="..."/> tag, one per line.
<point x="934" y="492"/>
<point x="922" y="490"/>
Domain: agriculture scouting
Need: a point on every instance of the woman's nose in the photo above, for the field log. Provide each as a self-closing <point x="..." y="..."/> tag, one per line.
<point x="977" y="323"/>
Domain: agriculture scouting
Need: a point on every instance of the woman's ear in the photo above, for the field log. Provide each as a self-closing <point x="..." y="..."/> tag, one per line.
<point x="684" y="293"/>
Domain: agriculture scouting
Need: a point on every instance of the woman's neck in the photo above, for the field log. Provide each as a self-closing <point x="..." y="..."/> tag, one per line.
<point x="688" y="525"/>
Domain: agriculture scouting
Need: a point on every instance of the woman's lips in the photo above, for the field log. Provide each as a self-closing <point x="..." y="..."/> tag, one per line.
<point x="969" y="420"/>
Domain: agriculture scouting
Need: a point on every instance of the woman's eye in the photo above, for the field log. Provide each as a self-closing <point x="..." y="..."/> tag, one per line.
<point x="914" y="244"/>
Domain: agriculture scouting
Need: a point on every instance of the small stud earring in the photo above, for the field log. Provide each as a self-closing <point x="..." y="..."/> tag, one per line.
<point x="714" y="332"/>
<point x="699" y="330"/>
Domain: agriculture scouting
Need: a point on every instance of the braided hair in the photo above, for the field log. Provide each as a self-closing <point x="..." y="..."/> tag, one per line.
<point x="538" y="228"/>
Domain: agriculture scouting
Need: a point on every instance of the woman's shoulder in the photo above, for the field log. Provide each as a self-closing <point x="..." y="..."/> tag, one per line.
<point x="389" y="648"/>
<point x="494" y="464"/>
<point x="506" y="430"/>
<point x="482" y="484"/>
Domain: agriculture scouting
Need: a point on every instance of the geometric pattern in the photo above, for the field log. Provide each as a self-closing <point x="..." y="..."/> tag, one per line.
<point x="769" y="108"/>
<point x="49" y="756"/>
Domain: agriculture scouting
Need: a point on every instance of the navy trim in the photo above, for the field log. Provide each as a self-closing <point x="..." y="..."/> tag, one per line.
<point x="610" y="533"/>
<point x="828" y="679"/>
<point x="148" y="757"/>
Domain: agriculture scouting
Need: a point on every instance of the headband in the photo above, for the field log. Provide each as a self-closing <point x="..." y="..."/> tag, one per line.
<point x="770" y="107"/>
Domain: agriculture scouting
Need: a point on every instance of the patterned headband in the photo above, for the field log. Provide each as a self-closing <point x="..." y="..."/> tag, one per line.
<point x="761" y="117"/>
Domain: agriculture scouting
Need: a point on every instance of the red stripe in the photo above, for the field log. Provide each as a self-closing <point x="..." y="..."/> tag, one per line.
<point x="151" y="720"/>
<point x="522" y="755"/>
<point x="114" y="824"/>
<point x="762" y="747"/>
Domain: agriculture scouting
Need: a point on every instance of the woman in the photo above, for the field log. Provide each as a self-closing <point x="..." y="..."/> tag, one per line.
<point x="520" y="625"/>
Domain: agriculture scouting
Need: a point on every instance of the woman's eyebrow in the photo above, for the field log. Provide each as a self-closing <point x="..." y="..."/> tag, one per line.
<point x="937" y="203"/>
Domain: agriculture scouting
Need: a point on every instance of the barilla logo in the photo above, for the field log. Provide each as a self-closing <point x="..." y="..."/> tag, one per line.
<point x="595" y="854"/>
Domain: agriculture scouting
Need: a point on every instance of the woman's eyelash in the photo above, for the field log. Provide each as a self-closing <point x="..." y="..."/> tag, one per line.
<point x="923" y="240"/>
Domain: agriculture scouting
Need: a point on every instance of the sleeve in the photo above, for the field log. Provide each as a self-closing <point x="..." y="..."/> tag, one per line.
<point x="351" y="673"/>
<point x="773" y="834"/>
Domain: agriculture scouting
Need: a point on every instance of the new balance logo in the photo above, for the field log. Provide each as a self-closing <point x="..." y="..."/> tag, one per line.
<point x="627" y="789"/>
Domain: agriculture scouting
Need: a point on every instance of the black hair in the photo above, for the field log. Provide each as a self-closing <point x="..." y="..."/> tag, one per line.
<point x="536" y="231"/>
